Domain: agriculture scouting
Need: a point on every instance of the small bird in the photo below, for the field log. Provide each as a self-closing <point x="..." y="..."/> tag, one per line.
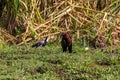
<point x="41" y="43"/>
<point x="66" y="42"/>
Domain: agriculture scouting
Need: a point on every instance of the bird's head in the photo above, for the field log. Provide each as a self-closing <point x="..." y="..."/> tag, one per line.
<point x="62" y="34"/>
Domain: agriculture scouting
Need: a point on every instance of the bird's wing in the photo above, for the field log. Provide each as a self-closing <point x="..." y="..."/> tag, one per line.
<point x="37" y="44"/>
<point x="63" y="43"/>
<point x="42" y="42"/>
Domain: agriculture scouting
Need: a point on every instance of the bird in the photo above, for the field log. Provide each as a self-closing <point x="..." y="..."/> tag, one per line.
<point x="41" y="43"/>
<point x="66" y="42"/>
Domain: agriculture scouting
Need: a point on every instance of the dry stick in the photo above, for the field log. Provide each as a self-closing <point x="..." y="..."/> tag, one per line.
<point x="102" y="24"/>
<point x="56" y="9"/>
<point x="74" y="18"/>
<point x="10" y="37"/>
<point x="61" y="15"/>
<point x="66" y="24"/>
<point x="73" y="10"/>
<point x="43" y="31"/>
<point x="24" y="4"/>
<point x="85" y="19"/>
<point x="78" y="34"/>
<point x="91" y="19"/>
<point x="46" y="30"/>
<point x="25" y="41"/>
<point x="109" y="14"/>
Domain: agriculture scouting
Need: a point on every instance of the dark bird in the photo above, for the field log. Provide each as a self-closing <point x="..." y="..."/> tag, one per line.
<point x="66" y="42"/>
<point x="41" y="43"/>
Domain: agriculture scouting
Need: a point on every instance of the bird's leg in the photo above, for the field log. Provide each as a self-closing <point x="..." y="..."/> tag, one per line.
<point x="64" y="48"/>
<point x="70" y="48"/>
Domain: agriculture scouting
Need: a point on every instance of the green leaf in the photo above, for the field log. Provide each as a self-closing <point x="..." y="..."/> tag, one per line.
<point x="16" y="4"/>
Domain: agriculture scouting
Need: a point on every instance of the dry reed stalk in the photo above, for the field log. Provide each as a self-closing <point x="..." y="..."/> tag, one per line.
<point x="42" y="17"/>
<point x="85" y="16"/>
<point x="74" y="18"/>
<point x="7" y="36"/>
<point x="102" y="25"/>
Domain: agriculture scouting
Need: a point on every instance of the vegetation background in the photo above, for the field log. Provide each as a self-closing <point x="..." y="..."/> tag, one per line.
<point x="25" y="20"/>
<point x="91" y="22"/>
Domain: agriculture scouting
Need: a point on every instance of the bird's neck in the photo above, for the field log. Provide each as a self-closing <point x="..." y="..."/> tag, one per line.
<point x="46" y="40"/>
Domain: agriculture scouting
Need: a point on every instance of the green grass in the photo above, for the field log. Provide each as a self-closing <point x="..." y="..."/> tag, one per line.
<point x="50" y="63"/>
